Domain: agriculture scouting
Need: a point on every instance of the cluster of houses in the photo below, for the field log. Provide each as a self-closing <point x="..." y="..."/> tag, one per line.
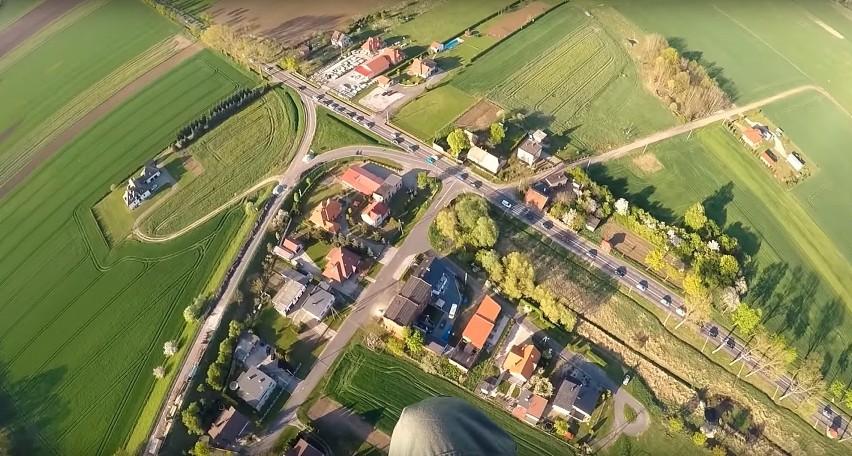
<point x="755" y="136"/>
<point x="383" y="57"/>
<point x="529" y="151"/>
<point x="325" y="216"/>
<point x="139" y="189"/>
<point x="539" y="193"/>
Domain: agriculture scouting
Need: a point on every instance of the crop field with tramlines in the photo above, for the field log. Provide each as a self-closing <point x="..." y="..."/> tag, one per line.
<point x="68" y="68"/>
<point x="255" y="143"/>
<point x="368" y="382"/>
<point x="82" y="325"/>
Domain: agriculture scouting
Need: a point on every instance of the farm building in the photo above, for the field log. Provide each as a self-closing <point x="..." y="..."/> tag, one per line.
<point x="484" y="159"/>
<point x="521" y="361"/>
<point x="361" y="180"/>
<point x="228" y="428"/>
<point x="340" y="39"/>
<point x="374" y="67"/>
<point x="288" y="248"/>
<point x="375" y="213"/>
<point x="408" y="305"/>
<point x="325" y="215"/>
<point x="768" y="158"/>
<point x="536" y="198"/>
<point x="423" y="68"/>
<point x="373" y="45"/>
<point x="529" y="151"/>
<point x="752" y="137"/>
<point x="341" y="264"/>
<point x="795" y="161"/>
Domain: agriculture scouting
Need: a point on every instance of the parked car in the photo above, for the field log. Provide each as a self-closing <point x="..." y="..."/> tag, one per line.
<point x="827" y="412"/>
<point x="666" y="300"/>
<point x="642" y="285"/>
<point x="626" y="380"/>
<point x="506" y="204"/>
<point x="681" y="311"/>
<point x="453" y="310"/>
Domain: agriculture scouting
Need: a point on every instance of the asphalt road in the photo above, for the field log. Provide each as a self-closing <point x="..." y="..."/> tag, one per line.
<point x="654" y="291"/>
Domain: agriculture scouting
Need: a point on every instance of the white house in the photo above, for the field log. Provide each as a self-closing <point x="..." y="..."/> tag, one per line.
<point x="254" y="387"/>
<point x="340" y="39"/>
<point x="292" y="288"/>
<point x="529" y="151"/>
<point x="375" y="214"/>
<point x="484" y="159"/>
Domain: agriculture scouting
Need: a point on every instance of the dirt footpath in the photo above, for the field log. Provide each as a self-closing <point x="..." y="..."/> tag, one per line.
<point x="337" y="417"/>
<point x="101" y="110"/>
<point x="30" y="23"/>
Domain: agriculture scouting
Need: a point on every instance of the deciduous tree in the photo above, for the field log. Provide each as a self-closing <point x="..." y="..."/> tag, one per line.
<point x="695" y="217"/>
<point x="491" y="263"/>
<point x="837" y="389"/>
<point x="423" y="180"/>
<point x="519" y="275"/>
<point x="656" y="259"/>
<point x="201" y="448"/>
<point x="170" y="348"/>
<point x="622" y="206"/>
<point x="191" y="418"/>
<point x="497" y="133"/>
<point x="159" y="372"/>
<point x="808" y="378"/>
<point x="458" y="141"/>
<point x="774" y="353"/>
<point x="746" y="318"/>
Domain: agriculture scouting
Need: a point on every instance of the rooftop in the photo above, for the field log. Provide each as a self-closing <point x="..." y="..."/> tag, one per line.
<point x="318" y="301"/>
<point x="325" y="214"/>
<point x="410" y="302"/>
<point x="522" y="360"/>
<point x="253" y="385"/>
<point x="361" y="180"/>
<point x="228" y="427"/>
<point x="531" y="147"/>
<point x="341" y="264"/>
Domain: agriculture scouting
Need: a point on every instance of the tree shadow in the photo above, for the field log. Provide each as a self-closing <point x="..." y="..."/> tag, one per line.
<point x="747" y="239"/>
<point x="764" y="286"/>
<point x="21" y="398"/>
<point x="715" y="205"/>
<point x="831" y="316"/>
<point x="448" y="62"/>
<point x="844" y="358"/>
<point x="716" y="72"/>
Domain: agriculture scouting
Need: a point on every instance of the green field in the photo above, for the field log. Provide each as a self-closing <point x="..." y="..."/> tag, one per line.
<point x="10" y="11"/>
<point x="378" y="386"/>
<point x="799" y="279"/>
<point x="446" y="20"/>
<point x="334" y="132"/>
<point x="428" y="114"/>
<point x="41" y="89"/>
<point x="256" y="143"/>
<point x="82" y="326"/>
<point x="569" y="74"/>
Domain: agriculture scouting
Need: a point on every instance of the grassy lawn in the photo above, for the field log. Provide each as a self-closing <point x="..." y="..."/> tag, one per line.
<point x="583" y="82"/>
<point x="317" y="252"/>
<point x="771" y="226"/>
<point x="254" y="144"/>
<point x="676" y="352"/>
<point x="284" y="334"/>
<point x="114" y="217"/>
<point x="446" y="21"/>
<point x="378" y="386"/>
<point x="89" y="322"/>
<point x="409" y="210"/>
<point x="333" y="132"/>
<point x="426" y="115"/>
<point x="90" y="58"/>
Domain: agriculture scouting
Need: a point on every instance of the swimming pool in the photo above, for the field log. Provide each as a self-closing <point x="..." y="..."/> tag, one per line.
<point x="453" y="43"/>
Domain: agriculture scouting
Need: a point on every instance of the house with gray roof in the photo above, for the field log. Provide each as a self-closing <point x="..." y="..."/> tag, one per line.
<point x="575" y="400"/>
<point x="228" y="428"/>
<point x="319" y="301"/>
<point x="408" y="305"/>
<point x="254" y="387"/>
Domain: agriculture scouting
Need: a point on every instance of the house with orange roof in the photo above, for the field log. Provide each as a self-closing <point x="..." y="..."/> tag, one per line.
<point x="340" y="264"/>
<point x="325" y="215"/>
<point x="394" y="55"/>
<point x="384" y="82"/>
<point x="482" y="323"/>
<point x="373" y="45"/>
<point x="768" y="158"/>
<point x="536" y="198"/>
<point x="288" y="248"/>
<point x="361" y="180"/>
<point x="375" y="213"/>
<point x="436" y="47"/>
<point x="423" y="67"/>
<point x="530" y="407"/>
<point x="521" y="361"/>
<point x="752" y="137"/>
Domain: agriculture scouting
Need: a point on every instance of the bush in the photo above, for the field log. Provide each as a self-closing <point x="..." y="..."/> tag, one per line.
<point x="191" y="418"/>
<point x="675" y="424"/>
<point x="699" y="439"/>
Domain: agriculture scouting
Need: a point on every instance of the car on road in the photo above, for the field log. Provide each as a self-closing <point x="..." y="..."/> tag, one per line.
<point x="529" y="216"/>
<point x="547" y="224"/>
<point x="476" y="184"/>
<point x="626" y="380"/>
<point x="621" y="271"/>
<point x="317" y="97"/>
<point x="681" y="311"/>
<point x="714" y="331"/>
<point x="412" y="147"/>
<point x="431" y="159"/>
<point x="731" y="343"/>
<point x="642" y="285"/>
<point x="827" y="412"/>
<point x="592" y="253"/>
<point x="506" y="204"/>
<point x="462" y="176"/>
<point x="308" y="157"/>
<point x="666" y="300"/>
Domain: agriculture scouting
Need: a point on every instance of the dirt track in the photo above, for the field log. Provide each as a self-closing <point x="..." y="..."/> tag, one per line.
<point x="101" y="110"/>
<point x="30" y="23"/>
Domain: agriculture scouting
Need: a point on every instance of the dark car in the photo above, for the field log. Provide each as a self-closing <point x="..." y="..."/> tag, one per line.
<point x="547" y="224"/>
<point x="621" y="271"/>
<point x="463" y="176"/>
<point x="714" y="331"/>
<point x="412" y="147"/>
<point x="529" y="216"/>
<point x="476" y="184"/>
<point x="731" y="343"/>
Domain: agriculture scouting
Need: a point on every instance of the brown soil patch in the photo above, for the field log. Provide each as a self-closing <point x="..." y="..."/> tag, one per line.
<point x="181" y="42"/>
<point x="30" y="23"/>
<point x="289" y="21"/>
<point x="103" y="109"/>
<point x="328" y="414"/>
<point x="648" y="163"/>
<point x="480" y="116"/>
<point x="631" y="245"/>
<point x="513" y="21"/>
<point x="192" y="165"/>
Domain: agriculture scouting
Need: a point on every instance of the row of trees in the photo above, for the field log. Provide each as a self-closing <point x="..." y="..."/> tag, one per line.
<point x="683" y="84"/>
<point x="246" y="48"/>
<point x="217" y="115"/>
<point x="217" y="373"/>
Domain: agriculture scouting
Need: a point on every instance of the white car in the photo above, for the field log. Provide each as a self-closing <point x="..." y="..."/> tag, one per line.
<point x="642" y="285"/>
<point x="453" y="310"/>
<point x="506" y="204"/>
<point x="681" y="311"/>
<point x="666" y="300"/>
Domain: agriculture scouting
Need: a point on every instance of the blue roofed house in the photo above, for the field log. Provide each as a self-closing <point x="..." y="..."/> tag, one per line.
<point x="445" y="286"/>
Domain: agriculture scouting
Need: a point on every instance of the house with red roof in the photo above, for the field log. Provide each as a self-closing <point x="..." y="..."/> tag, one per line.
<point x="536" y="198"/>
<point x="423" y="67"/>
<point x="373" y="45"/>
<point x="482" y="323"/>
<point x="374" y="67"/>
<point x="394" y="55"/>
<point x="530" y="407"/>
<point x="375" y="214"/>
<point x="325" y="215"/>
<point x="752" y="137"/>
<point x="436" y="47"/>
<point x="288" y="248"/>
<point x="340" y="264"/>
<point x="361" y="180"/>
<point x="521" y="361"/>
